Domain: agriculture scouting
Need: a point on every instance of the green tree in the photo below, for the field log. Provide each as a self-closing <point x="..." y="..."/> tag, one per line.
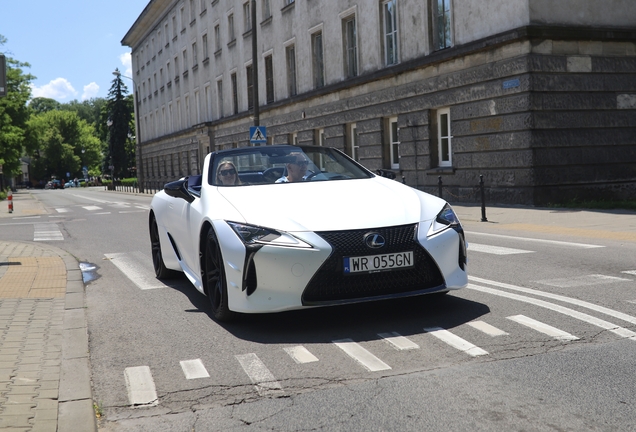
<point x="14" y="115"/>
<point x="89" y="110"/>
<point x="61" y="142"/>
<point x="40" y="104"/>
<point x="119" y="132"/>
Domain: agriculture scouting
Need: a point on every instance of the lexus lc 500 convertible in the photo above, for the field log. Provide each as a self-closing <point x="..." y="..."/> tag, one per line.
<point x="275" y="228"/>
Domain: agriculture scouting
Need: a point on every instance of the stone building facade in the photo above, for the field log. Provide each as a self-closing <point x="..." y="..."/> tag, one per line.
<point x="536" y="96"/>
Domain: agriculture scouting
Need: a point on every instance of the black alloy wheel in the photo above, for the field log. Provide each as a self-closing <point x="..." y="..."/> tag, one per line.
<point x="161" y="271"/>
<point x="214" y="279"/>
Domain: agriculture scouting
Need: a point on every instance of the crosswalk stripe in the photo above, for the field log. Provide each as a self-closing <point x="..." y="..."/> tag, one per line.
<point x="300" y="354"/>
<point x="193" y="369"/>
<point x="91" y="208"/>
<point x="495" y="250"/>
<point x="47" y="232"/>
<point x="258" y="373"/>
<point x="630" y="272"/>
<point x="455" y="341"/>
<point x="564" y="299"/>
<point x="543" y="328"/>
<point x="398" y="341"/>
<point x="135" y="266"/>
<point x="361" y="355"/>
<point x="620" y="331"/>
<point x="62" y="210"/>
<point x="141" y="386"/>
<point x="487" y="328"/>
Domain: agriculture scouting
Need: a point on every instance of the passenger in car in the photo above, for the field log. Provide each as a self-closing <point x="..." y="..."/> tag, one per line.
<point x="296" y="170"/>
<point x="226" y="174"/>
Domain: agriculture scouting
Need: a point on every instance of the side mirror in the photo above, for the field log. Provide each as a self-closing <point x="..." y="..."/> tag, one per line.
<point x="178" y="189"/>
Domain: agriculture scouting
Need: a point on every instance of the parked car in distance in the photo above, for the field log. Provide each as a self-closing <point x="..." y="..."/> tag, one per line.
<point x="53" y="184"/>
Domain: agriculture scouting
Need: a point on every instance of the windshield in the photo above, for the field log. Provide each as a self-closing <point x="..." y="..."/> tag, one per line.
<point x="282" y="164"/>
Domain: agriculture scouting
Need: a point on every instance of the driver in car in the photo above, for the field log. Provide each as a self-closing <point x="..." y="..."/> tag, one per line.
<point x="296" y="170"/>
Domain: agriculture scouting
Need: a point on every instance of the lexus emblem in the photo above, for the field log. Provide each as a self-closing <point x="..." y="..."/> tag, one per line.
<point x="374" y="240"/>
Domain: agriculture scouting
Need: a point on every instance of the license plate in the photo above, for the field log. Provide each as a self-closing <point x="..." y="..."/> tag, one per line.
<point x="375" y="263"/>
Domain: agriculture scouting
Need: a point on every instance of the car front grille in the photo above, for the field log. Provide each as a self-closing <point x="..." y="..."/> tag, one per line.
<point x="330" y="285"/>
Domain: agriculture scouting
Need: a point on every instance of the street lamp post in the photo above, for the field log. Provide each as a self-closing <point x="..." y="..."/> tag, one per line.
<point x="140" y="163"/>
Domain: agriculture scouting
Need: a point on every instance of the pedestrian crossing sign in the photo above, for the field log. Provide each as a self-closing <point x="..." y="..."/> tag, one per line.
<point x="258" y="134"/>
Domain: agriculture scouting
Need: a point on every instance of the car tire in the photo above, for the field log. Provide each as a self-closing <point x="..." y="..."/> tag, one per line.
<point x="161" y="271"/>
<point x="214" y="280"/>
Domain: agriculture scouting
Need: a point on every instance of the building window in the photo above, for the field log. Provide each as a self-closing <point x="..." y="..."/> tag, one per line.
<point x="250" y="87"/>
<point x="444" y="138"/>
<point x="234" y="93"/>
<point x="443" y="36"/>
<point x="350" y="40"/>
<point x="204" y="42"/>
<point x="219" y="97"/>
<point x="185" y="62"/>
<point x="176" y="68"/>
<point x="183" y="19"/>
<point x="320" y="137"/>
<point x="390" y="31"/>
<point x="165" y="26"/>
<point x="269" y="79"/>
<point x="293" y="138"/>
<point x="230" y="27"/>
<point x="291" y="70"/>
<point x="288" y="2"/>
<point x="204" y="6"/>
<point x="174" y="26"/>
<point x="217" y="37"/>
<point x="267" y="10"/>
<point x="394" y="143"/>
<point x="195" y="57"/>
<point x="318" y="60"/>
<point x="193" y="11"/>
<point x="247" y="17"/>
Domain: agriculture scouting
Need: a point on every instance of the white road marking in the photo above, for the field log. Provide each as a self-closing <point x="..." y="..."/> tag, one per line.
<point x="132" y="211"/>
<point x="194" y="369"/>
<point x="300" y="354"/>
<point x="591" y="306"/>
<point x="62" y="210"/>
<point x="143" y="207"/>
<point x="554" y="242"/>
<point x="91" y="208"/>
<point x="543" y="328"/>
<point x="141" y="387"/>
<point x="630" y="272"/>
<point x="398" y="341"/>
<point x="495" y="250"/>
<point x="455" y="341"/>
<point x="263" y="379"/>
<point x="24" y="217"/>
<point x="361" y="355"/>
<point x="47" y="232"/>
<point x="586" y="280"/>
<point x="620" y="331"/>
<point x="587" y="305"/>
<point x="102" y="213"/>
<point x="135" y="265"/>
<point x="487" y="328"/>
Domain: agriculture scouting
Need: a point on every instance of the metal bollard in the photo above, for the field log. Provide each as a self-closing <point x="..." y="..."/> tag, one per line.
<point x="10" y="200"/>
<point x="483" y="199"/>
<point x="439" y="186"/>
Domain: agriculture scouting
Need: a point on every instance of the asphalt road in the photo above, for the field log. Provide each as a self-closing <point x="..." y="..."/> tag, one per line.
<point x="543" y="338"/>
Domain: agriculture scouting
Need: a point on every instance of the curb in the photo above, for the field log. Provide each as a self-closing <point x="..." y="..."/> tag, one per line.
<point x="75" y="400"/>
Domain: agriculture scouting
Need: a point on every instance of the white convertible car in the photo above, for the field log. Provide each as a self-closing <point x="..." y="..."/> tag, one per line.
<point x="274" y="228"/>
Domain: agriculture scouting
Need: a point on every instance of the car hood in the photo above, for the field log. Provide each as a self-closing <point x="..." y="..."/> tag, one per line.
<point x="332" y="205"/>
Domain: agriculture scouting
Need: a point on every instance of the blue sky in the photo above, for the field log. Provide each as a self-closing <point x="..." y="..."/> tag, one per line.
<point x="73" y="46"/>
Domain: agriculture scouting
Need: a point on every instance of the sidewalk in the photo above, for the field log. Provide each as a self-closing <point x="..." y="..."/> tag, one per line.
<point x="44" y="362"/>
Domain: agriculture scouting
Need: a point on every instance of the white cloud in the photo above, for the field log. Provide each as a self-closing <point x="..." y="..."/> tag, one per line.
<point x="126" y="62"/>
<point x="58" y="89"/>
<point x="90" y="91"/>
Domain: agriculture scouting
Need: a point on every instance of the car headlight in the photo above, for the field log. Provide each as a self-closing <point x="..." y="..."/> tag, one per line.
<point x="445" y="219"/>
<point x="253" y="235"/>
